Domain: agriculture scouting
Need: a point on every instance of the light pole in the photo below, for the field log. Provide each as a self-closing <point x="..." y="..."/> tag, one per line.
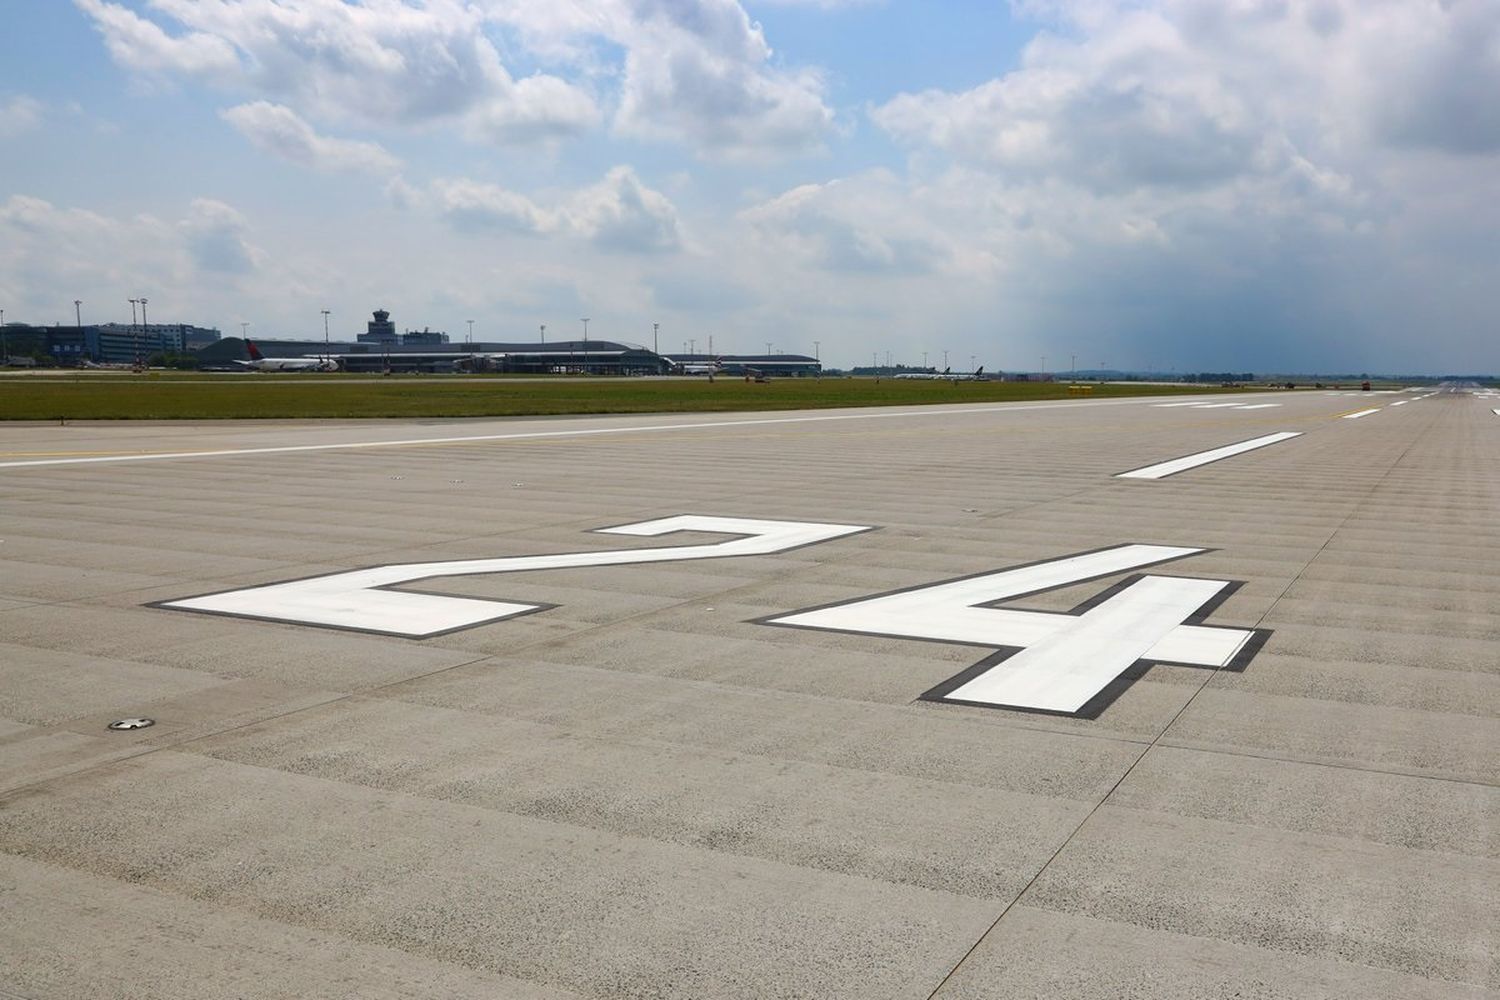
<point x="817" y="350"/>
<point x="945" y="361"/>
<point x="692" y="346"/>
<point x="544" y="333"/>
<point x="971" y="363"/>
<point x="471" y="331"/>
<point x="145" y="324"/>
<point x="327" y="347"/>
<point x="244" y="331"/>
<point x="4" y="345"/>
<point x="924" y="359"/>
<point x="1044" y="364"/>
<point x="78" y="317"/>
<point x="768" y="348"/>
<point x="655" y="329"/>
<point x="135" y="332"/>
<point x="585" y="344"/>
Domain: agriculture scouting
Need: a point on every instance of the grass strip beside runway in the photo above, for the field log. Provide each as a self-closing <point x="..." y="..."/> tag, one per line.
<point x="252" y="397"/>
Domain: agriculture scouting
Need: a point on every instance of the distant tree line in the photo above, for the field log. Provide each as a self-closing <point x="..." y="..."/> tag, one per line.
<point x="171" y="359"/>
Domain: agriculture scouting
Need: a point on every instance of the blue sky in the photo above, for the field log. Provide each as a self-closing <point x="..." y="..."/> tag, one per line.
<point x="1270" y="185"/>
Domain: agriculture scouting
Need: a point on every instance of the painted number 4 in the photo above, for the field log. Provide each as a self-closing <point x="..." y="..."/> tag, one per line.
<point x="1072" y="663"/>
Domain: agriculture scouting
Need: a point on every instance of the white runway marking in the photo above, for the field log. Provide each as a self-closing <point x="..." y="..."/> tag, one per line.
<point x="1163" y="469"/>
<point x="1361" y="413"/>
<point x="1065" y="660"/>
<point x="1401" y="402"/>
<point x="358" y="600"/>
<point x="1218" y="406"/>
<point x="531" y="435"/>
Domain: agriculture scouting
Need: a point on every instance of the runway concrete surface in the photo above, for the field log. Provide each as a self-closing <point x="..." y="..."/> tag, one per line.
<point x="1208" y="730"/>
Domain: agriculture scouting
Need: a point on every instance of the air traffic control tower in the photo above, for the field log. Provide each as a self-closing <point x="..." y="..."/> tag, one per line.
<point x="379" y="330"/>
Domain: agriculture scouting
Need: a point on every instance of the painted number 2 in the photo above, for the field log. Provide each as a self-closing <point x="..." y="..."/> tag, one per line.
<point x="360" y="600"/>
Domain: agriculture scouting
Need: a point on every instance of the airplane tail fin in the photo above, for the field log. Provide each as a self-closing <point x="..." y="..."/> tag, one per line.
<point x="255" y="354"/>
<point x="979" y="370"/>
<point x="948" y="371"/>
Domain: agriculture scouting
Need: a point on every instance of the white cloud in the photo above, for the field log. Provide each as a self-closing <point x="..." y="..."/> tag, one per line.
<point x="618" y="214"/>
<point x="51" y="254"/>
<point x="19" y="114"/>
<point x="473" y="206"/>
<point x="1224" y="180"/>
<point x="699" y="71"/>
<point x="622" y="214"/>
<point x="382" y="62"/>
<point x="539" y="108"/>
<point x="216" y="238"/>
<point x="1185" y="93"/>
<point x="861" y="224"/>
<point x="142" y="45"/>
<point x="694" y="71"/>
<point x="279" y="131"/>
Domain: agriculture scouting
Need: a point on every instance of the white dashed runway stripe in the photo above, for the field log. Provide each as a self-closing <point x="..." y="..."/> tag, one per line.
<point x="1164" y="469"/>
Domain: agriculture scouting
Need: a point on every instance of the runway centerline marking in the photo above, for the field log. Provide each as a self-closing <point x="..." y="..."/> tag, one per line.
<point x="1161" y="470"/>
<point x="1361" y="413"/>
<point x="586" y="432"/>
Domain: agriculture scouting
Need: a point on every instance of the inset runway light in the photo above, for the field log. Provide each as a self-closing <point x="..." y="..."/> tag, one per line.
<point x="127" y="724"/>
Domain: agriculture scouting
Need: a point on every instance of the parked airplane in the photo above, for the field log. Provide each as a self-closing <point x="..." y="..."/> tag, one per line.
<point x="713" y="367"/>
<point x="259" y="362"/>
<point x="977" y="375"/>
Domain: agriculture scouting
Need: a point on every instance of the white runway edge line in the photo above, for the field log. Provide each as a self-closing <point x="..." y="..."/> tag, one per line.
<point x="1164" y="469"/>
<point x="528" y="435"/>
<point x="1361" y="413"/>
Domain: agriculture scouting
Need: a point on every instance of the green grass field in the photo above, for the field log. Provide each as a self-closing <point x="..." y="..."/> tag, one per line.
<point x="168" y="397"/>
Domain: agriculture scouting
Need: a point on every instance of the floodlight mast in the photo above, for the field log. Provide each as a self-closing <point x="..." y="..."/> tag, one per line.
<point x="145" y="324"/>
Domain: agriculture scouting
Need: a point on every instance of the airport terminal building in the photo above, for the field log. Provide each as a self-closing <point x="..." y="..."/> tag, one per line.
<point x="428" y="354"/>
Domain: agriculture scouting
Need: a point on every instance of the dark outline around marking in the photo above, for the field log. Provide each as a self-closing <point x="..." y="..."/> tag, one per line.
<point x="1095" y="706"/>
<point x="531" y="607"/>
